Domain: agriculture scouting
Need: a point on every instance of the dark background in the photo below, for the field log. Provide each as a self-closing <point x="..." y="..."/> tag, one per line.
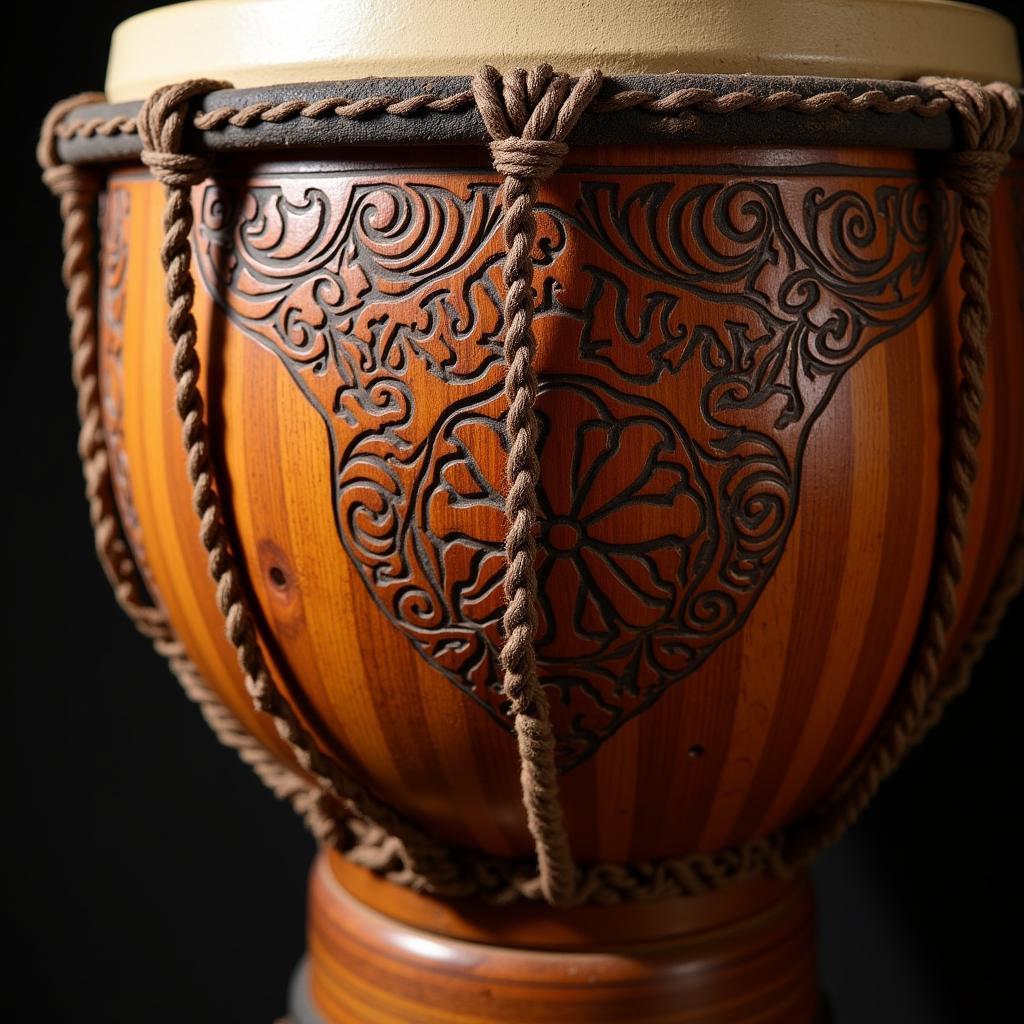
<point x="152" y="878"/>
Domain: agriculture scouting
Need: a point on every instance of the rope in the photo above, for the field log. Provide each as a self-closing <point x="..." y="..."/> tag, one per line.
<point x="161" y="125"/>
<point x="77" y="190"/>
<point x="990" y="121"/>
<point x="528" y="115"/>
<point x="674" y="104"/>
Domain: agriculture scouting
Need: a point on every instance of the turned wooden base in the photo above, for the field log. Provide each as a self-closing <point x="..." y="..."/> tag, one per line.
<point x="379" y="954"/>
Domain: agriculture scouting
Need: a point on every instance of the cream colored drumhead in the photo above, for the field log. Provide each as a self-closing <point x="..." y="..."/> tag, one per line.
<point x="264" y="42"/>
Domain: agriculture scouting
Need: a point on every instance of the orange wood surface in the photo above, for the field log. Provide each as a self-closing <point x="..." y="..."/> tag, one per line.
<point x="753" y="966"/>
<point x="769" y="721"/>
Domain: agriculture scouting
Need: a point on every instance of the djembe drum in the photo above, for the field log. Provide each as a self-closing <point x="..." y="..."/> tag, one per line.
<point x="577" y="529"/>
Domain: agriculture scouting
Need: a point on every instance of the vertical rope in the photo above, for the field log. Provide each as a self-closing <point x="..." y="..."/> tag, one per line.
<point x="1007" y="587"/>
<point x="528" y="114"/>
<point x="161" y="124"/>
<point x="77" y="190"/>
<point x="990" y="119"/>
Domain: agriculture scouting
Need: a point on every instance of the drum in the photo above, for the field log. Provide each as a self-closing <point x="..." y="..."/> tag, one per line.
<point x="595" y="477"/>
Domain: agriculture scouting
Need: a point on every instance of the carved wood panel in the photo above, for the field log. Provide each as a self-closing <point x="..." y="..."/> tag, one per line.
<point x="692" y="328"/>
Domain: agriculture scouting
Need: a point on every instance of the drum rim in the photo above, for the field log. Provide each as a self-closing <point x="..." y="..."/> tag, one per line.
<point x="105" y="133"/>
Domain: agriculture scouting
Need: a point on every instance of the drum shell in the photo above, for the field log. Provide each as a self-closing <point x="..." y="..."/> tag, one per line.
<point x="767" y="724"/>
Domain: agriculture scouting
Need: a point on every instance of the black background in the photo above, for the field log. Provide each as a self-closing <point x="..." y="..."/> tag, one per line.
<point x="152" y="878"/>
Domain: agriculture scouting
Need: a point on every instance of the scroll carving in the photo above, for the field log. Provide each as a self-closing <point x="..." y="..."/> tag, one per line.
<point x="690" y="333"/>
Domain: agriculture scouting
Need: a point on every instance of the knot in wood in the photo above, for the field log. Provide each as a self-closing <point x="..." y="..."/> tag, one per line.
<point x="528" y="159"/>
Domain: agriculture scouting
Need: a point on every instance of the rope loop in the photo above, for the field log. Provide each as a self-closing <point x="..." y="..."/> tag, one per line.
<point x="177" y="169"/>
<point x="66" y="179"/>
<point x="974" y="172"/>
<point x="78" y="188"/>
<point x="161" y="124"/>
<point x="988" y="116"/>
<point x="49" y="134"/>
<point x="989" y="120"/>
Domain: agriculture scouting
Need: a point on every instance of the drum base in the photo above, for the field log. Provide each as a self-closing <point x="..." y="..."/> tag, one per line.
<point x="380" y="954"/>
<point x="302" y="1011"/>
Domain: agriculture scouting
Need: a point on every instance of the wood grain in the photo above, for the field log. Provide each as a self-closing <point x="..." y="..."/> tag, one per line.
<point x="766" y="724"/>
<point x="758" y="966"/>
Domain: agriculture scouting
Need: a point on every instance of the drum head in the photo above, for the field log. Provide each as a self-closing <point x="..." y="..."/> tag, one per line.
<point x="264" y="42"/>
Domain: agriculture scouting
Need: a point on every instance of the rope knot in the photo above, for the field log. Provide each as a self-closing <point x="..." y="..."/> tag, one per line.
<point x="989" y="120"/>
<point x="988" y="116"/>
<point x="176" y="169"/>
<point x="161" y="123"/>
<point x="529" y="114"/>
<point x="974" y="172"/>
<point x="528" y="159"/>
<point x="64" y="179"/>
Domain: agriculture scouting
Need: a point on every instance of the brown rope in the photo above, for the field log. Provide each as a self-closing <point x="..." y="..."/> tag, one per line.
<point x="990" y="121"/>
<point x="161" y="125"/>
<point x="528" y="116"/>
<point x="499" y="881"/>
<point x="1007" y="587"/>
<point x="704" y="101"/>
<point x="674" y="104"/>
<point x="77" y="190"/>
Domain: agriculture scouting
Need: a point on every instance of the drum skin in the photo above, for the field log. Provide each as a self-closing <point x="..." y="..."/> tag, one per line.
<point x="747" y="363"/>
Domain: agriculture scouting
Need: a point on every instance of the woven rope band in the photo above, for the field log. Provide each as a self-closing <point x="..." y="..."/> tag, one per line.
<point x="631" y="109"/>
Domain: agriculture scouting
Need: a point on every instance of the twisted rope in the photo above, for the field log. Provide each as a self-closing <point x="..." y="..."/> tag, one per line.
<point x="161" y="125"/>
<point x="674" y="104"/>
<point x="528" y="114"/>
<point x="1007" y="587"/>
<point x="990" y="121"/>
<point x="501" y="882"/>
<point x="77" y="190"/>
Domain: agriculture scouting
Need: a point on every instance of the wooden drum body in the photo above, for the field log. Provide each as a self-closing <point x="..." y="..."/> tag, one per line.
<point x="744" y="361"/>
<point x="747" y="353"/>
<point x="744" y="357"/>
